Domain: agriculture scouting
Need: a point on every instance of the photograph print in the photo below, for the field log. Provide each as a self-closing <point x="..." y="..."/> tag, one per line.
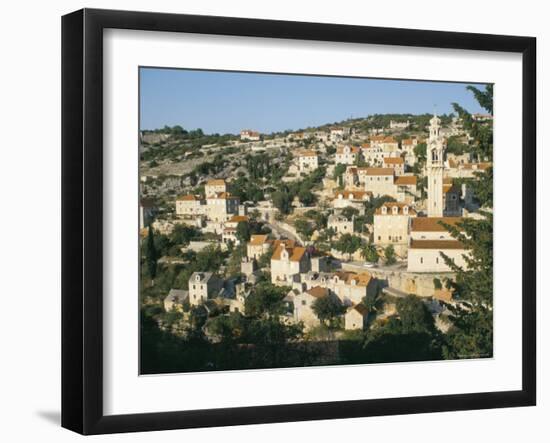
<point x="291" y="220"/>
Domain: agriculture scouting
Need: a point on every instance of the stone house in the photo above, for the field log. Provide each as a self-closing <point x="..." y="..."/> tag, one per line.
<point x="175" y="300"/>
<point x="221" y="206"/>
<point x="356" y="317"/>
<point x="380" y="181"/>
<point x="257" y="246"/>
<point x="397" y="163"/>
<point x="347" y="155"/>
<point x="287" y="262"/>
<point x="308" y="161"/>
<point x="303" y="302"/>
<point x="351" y="198"/>
<point x="406" y="190"/>
<point x="190" y="205"/>
<point x="391" y="225"/>
<point x="340" y="224"/>
<point x="428" y="239"/>
<point x="213" y="187"/>
<point x="203" y="285"/>
<point x="349" y="287"/>
<point x="250" y="135"/>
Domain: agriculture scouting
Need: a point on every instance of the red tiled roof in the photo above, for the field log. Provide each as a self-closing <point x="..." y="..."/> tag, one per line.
<point x="405" y="180"/>
<point x="187" y="197"/>
<point x="394" y="160"/>
<point x="398" y="205"/>
<point x="436" y="244"/>
<point x="295" y="254"/>
<point x="318" y="292"/>
<point x="257" y="240"/>
<point x="380" y="171"/>
<point x="432" y="224"/>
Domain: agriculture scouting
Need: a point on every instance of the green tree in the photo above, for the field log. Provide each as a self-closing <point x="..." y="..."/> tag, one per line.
<point x="303" y="227"/>
<point x="482" y="187"/>
<point x="348" y="244"/>
<point x="370" y="254"/>
<point x="389" y="255"/>
<point x="471" y="334"/>
<point x="328" y="308"/>
<point x="349" y="212"/>
<point x="182" y="235"/>
<point x="474" y="283"/>
<point x="265" y="300"/>
<point x="265" y="259"/>
<point x="281" y="200"/>
<point x="151" y="255"/>
<point x="338" y="173"/>
<point x="306" y="197"/>
<point x="243" y="231"/>
<point x="414" y="315"/>
<point x="420" y="151"/>
<point x="484" y="98"/>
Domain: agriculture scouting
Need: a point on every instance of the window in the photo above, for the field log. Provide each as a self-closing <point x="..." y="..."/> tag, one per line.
<point x="303" y="302"/>
<point x="421" y="260"/>
<point x="437" y="260"/>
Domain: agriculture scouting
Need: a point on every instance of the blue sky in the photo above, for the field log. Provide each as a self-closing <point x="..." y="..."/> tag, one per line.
<point x="226" y="102"/>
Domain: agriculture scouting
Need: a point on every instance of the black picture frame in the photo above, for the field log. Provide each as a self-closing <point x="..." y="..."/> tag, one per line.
<point x="82" y="231"/>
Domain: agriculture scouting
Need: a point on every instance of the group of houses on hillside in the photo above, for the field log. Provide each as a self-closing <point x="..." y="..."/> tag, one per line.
<point x="416" y="227"/>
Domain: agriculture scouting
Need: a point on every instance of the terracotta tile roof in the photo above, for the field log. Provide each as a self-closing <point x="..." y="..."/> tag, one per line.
<point x="250" y="132"/>
<point x="380" y="171"/>
<point x="436" y="244"/>
<point x="362" y="279"/>
<point x="450" y="188"/>
<point x="377" y="138"/>
<point x="187" y="197"/>
<point x="288" y="243"/>
<point x="398" y="205"/>
<point x="238" y="218"/>
<point x="407" y="141"/>
<point x="216" y="182"/>
<point x="318" y="292"/>
<point x="365" y="145"/>
<point x="389" y="139"/>
<point x="394" y="160"/>
<point x="480" y="166"/>
<point x="431" y="224"/>
<point x="405" y="180"/>
<point x="257" y="240"/>
<point x="307" y="154"/>
<point x="295" y="253"/>
<point x="352" y="195"/>
<point x="361" y="308"/>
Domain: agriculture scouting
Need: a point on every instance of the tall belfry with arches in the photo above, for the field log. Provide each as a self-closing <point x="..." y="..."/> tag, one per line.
<point x="435" y="151"/>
